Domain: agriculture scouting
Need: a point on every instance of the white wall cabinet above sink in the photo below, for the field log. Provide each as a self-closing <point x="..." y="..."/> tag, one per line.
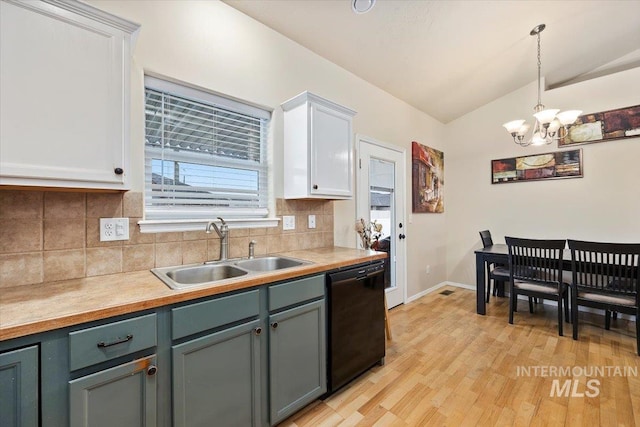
<point x="64" y="112"/>
<point x="318" y="148"/>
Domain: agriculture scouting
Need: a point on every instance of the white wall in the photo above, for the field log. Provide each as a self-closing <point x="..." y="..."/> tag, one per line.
<point x="604" y="205"/>
<point x="210" y="44"/>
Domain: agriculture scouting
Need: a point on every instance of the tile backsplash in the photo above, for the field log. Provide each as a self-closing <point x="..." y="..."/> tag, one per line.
<point x="47" y="236"/>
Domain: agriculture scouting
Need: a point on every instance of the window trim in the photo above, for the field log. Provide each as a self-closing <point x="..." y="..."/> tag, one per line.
<point x="181" y="225"/>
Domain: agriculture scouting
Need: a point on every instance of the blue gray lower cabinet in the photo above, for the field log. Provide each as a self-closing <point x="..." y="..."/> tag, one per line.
<point x="19" y="387"/>
<point x="216" y="378"/>
<point x="297" y="358"/>
<point x="124" y="395"/>
<point x="249" y="358"/>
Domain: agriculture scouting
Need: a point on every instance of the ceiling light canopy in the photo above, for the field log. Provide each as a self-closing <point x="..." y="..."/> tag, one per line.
<point x="550" y="123"/>
<point x="362" y="6"/>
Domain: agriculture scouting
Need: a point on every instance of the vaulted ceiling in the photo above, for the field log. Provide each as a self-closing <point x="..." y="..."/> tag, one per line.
<point x="448" y="58"/>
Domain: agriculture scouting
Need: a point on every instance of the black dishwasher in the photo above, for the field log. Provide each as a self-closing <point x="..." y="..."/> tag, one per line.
<point x="356" y="322"/>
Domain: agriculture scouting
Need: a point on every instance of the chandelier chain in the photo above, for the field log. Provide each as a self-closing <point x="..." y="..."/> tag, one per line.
<point x="539" y="67"/>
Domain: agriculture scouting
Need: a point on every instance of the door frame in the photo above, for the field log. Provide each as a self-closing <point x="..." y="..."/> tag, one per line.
<point x="400" y="205"/>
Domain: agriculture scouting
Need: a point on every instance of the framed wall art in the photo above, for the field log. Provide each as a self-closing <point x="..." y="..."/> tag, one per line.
<point x="561" y="164"/>
<point x="427" y="179"/>
<point x="604" y="126"/>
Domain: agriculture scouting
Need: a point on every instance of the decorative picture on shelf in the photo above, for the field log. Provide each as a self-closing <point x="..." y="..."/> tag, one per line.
<point x="561" y="164"/>
<point x="427" y="175"/>
<point x="604" y="126"/>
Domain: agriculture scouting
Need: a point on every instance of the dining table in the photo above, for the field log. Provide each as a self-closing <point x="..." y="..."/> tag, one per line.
<point x="498" y="253"/>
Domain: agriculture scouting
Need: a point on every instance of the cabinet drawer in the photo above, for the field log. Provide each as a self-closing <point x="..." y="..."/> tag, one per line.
<point x="201" y="316"/>
<point x="101" y="343"/>
<point x="295" y="292"/>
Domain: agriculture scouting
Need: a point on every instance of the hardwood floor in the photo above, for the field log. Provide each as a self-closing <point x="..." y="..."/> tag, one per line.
<point x="449" y="366"/>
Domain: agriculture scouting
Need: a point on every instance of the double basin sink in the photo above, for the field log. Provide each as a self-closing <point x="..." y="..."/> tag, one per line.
<point x="209" y="273"/>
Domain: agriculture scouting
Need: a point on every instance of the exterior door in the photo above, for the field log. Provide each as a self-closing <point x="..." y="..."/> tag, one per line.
<point x="381" y="197"/>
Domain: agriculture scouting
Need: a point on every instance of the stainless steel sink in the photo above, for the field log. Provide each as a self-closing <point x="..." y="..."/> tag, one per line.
<point x="269" y="263"/>
<point x="184" y="276"/>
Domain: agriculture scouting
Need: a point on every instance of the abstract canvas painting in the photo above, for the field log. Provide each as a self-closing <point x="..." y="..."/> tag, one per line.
<point x="604" y="126"/>
<point x="561" y="164"/>
<point x="427" y="179"/>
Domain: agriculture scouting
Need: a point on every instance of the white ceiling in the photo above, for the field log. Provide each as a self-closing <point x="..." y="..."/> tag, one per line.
<point x="448" y="58"/>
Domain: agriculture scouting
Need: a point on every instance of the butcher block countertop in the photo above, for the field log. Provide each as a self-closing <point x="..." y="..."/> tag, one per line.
<point x="31" y="309"/>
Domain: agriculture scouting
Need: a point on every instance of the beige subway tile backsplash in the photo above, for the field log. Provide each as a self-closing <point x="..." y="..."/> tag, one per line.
<point x="20" y="235"/>
<point x="138" y="257"/>
<point x="64" y="233"/>
<point x="64" y="205"/>
<point x="101" y="261"/>
<point x="20" y="269"/>
<point x="48" y="236"/>
<point x="64" y="265"/>
<point x="21" y="204"/>
<point x="104" y="205"/>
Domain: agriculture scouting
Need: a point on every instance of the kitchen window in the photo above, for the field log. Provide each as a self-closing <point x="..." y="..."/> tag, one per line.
<point x="205" y="155"/>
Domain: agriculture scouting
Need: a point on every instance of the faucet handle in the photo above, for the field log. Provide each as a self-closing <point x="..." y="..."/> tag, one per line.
<point x="222" y="221"/>
<point x="252" y="245"/>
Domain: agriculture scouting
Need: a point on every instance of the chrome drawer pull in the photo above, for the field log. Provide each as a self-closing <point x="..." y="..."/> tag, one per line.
<point x="103" y="344"/>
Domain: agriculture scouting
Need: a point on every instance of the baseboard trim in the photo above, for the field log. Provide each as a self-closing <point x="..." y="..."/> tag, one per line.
<point x="437" y="287"/>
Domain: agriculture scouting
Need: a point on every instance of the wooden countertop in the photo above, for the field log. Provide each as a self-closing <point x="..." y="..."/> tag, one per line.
<point x="26" y="310"/>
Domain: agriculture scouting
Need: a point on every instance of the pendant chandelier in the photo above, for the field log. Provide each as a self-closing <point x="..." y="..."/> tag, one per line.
<point x="549" y="124"/>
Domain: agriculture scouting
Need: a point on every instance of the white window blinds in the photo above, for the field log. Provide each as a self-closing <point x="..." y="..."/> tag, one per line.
<point x="205" y="155"/>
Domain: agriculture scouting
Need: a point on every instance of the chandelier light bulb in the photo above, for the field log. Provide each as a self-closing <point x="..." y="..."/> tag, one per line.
<point x="546" y="116"/>
<point x="513" y="126"/>
<point x="568" y="117"/>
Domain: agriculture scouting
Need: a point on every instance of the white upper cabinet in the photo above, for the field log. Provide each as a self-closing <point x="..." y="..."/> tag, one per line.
<point x="318" y="148"/>
<point x="64" y="90"/>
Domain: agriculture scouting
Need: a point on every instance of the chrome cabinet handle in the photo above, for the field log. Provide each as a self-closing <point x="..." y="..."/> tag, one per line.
<point x="258" y="330"/>
<point x="103" y="344"/>
<point x="274" y="325"/>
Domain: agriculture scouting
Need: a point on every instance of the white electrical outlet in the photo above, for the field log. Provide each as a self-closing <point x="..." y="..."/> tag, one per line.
<point x="312" y="221"/>
<point x="288" y="222"/>
<point x="428" y="269"/>
<point x="114" y="229"/>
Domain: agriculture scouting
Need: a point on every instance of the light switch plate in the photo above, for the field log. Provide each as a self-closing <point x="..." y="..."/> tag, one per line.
<point x="114" y="229"/>
<point x="288" y="222"/>
<point x="312" y="221"/>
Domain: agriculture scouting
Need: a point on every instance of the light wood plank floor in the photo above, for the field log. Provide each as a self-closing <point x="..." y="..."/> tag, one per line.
<point x="449" y="366"/>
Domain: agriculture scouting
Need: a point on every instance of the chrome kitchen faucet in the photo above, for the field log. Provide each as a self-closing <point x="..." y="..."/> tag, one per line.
<point x="223" y="233"/>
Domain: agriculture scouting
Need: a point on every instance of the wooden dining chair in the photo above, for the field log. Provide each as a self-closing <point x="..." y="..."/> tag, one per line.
<point x="498" y="273"/>
<point x="535" y="270"/>
<point x="605" y="276"/>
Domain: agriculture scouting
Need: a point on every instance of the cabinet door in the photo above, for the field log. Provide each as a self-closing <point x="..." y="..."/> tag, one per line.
<point x="297" y="358"/>
<point x="19" y="388"/>
<point x="64" y="100"/>
<point x="216" y="378"/>
<point x="331" y="152"/>
<point x="121" y="396"/>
